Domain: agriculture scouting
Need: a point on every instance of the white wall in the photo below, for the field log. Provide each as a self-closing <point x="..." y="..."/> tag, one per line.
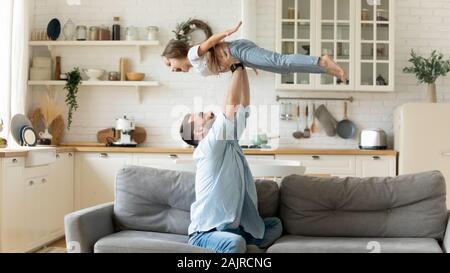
<point x="422" y="25"/>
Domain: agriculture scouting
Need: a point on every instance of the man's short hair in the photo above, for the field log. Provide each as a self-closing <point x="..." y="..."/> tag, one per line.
<point x="187" y="131"/>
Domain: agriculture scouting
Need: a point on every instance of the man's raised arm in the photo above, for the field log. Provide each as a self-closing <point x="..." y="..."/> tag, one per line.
<point x="239" y="93"/>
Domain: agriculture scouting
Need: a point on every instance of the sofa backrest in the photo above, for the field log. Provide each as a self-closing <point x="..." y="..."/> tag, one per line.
<point x="150" y="199"/>
<point x="412" y="206"/>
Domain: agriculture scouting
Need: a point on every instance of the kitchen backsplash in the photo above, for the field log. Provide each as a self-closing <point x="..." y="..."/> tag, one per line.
<point x="422" y="25"/>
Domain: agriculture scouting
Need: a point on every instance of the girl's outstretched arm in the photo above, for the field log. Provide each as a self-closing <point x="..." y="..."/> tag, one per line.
<point x="216" y="39"/>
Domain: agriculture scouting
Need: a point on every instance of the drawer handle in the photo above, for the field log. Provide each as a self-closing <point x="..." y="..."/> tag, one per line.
<point x="316" y="157"/>
<point x="58" y="156"/>
<point x="70" y="154"/>
<point x="31" y="183"/>
<point x="173" y="156"/>
<point x="14" y="160"/>
<point x="376" y="158"/>
<point x="446" y="154"/>
<point x="103" y="155"/>
<point x="43" y="181"/>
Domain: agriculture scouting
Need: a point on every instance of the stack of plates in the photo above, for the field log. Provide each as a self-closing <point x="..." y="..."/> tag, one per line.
<point x="22" y="131"/>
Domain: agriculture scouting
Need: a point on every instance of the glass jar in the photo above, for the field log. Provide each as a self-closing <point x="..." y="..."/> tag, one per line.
<point x="81" y="33"/>
<point x="152" y="33"/>
<point x="291" y="13"/>
<point x="131" y="33"/>
<point x="113" y="76"/>
<point x="365" y="15"/>
<point x="93" y="33"/>
<point x="104" y="34"/>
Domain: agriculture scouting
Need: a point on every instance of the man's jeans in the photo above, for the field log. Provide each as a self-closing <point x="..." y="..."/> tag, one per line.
<point x="236" y="240"/>
<point x="253" y="56"/>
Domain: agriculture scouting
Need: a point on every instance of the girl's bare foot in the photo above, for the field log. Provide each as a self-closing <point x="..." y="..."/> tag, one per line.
<point x="333" y="68"/>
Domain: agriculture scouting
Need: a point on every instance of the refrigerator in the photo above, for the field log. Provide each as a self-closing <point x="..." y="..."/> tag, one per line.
<point x="422" y="138"/>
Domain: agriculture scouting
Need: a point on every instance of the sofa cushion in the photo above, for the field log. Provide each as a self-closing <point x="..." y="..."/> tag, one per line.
<point x="146" y="242"/>
<point x="299" y="244"/>
<point x="268" y="198"/>
<point x="409" y="206"/>
<point x="149" y="199"/>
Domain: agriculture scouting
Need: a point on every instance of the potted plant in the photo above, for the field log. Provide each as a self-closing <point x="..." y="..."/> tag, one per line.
<point x="428" y="70"/>
<point x="72" y="83"/>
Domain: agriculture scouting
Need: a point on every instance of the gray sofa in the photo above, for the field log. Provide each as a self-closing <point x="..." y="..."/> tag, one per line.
<point x="319" y="215"/>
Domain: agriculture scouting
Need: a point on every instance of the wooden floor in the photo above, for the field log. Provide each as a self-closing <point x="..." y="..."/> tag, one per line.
<point x="60" y="243"/>
<point x="55" y="247"/>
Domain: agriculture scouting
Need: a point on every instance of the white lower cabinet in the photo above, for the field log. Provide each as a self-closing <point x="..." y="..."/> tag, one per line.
<point x="346" y="166"/>
<point x="34" y="202"/>
<point x="63" y="173"/>
<point x="12" y="227"/>
<point x="376" y="166"/>
<point x="95" y="175"/>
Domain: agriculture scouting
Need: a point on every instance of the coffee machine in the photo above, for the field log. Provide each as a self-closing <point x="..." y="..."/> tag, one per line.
<point x="126" y="128"/>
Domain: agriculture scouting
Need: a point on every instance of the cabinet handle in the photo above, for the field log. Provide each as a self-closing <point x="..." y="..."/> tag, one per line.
<point x="70" y="154"/>
<point x="315" y="157"/>
<point x="31" y="183"/>
<point x="376" y="158"/>
<point x="14" y="160"/>
<point x="58" y="156"/>
<point x="103" y="155"/>
<point x="173" y="156"/>
<point x="43" y="181"/>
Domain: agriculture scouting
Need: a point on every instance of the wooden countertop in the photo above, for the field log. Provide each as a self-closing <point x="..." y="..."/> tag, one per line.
<point x="7" y="153"/>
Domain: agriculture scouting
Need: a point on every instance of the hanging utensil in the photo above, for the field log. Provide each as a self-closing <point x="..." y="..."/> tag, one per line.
<point x="346" y="129"/>
<point x="327" y="120"/>
<point x="307" y="132"/>
<point x="298" y="134"/>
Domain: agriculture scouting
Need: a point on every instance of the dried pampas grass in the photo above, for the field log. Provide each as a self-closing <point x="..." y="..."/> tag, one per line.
<point x="50" y="109"/>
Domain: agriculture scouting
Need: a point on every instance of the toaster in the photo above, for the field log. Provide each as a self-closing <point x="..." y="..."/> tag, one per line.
<point x="373" y="139"/>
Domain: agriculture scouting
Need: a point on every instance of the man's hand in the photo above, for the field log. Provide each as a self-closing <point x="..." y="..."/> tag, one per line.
<point x="224" y="57"/>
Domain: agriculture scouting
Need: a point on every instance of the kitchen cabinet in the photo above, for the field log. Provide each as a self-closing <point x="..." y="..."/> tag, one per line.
<point x="358" y="34"/>
<point x="63" y="173"/>
<point x="12" y="212"/>
<point x="376" y="166"/>
<point x="346" y="165"/>
<point x="34" y="201"/>
<point x="95" y="175"/>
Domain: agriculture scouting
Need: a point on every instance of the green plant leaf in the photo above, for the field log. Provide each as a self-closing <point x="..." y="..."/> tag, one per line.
<point x="428" y="70"/>
<point x="72" y="83"/>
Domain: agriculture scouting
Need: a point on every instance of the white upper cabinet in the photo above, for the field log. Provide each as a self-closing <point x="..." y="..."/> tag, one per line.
<point x="375" y="47"/>
<point x="358" y="35"/>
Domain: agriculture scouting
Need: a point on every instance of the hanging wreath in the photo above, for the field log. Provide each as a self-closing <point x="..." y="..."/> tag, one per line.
<point x="184" y="30"/>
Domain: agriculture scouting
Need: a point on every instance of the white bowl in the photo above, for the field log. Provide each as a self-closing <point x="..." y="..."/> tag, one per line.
<point x="94" y="74"/>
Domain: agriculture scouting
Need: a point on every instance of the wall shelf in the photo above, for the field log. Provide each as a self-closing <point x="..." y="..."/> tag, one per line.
<point x="139" y="45"/>
<point x="138" y="85"/>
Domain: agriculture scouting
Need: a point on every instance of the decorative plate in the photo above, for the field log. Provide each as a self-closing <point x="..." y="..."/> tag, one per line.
<point x="54" y="29"/>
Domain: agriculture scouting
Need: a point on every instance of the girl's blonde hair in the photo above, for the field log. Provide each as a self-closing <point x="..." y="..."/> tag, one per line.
<point x="177" y="49"/>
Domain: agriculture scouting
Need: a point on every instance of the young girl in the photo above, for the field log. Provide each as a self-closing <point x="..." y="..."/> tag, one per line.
<point x="208" y="57"/>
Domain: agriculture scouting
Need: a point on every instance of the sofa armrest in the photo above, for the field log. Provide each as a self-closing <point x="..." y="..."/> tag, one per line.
<point x="85" y="227"/>
<point x="447" y="236"/>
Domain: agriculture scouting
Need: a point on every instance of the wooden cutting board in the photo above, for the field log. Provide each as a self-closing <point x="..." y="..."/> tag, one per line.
<point x="139" y="135"/>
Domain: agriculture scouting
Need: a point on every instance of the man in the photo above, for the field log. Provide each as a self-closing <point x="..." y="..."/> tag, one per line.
<point x="225" y="215"/>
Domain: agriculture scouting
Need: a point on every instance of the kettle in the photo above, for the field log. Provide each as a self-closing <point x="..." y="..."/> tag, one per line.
<point x="373" y="139"/>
